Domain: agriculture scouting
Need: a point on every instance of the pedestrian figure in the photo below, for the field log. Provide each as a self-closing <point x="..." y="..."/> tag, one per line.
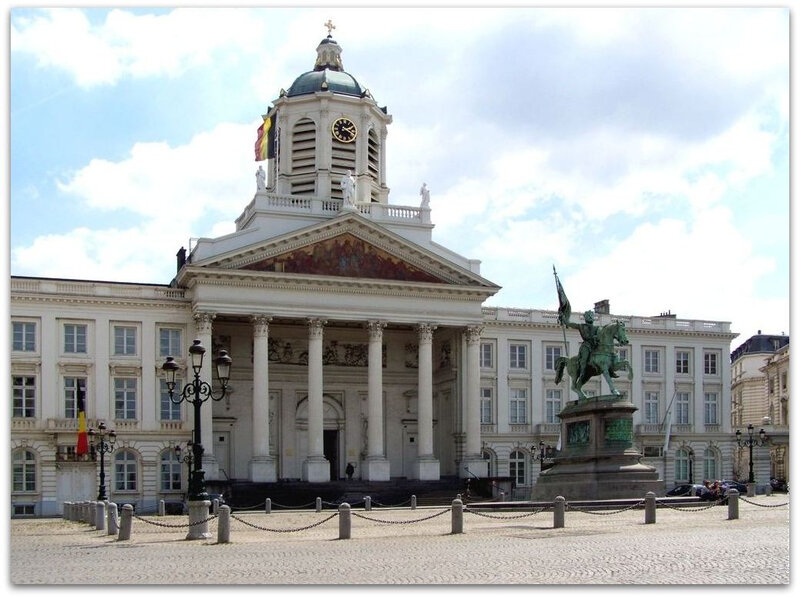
<point x="349" y="470"/>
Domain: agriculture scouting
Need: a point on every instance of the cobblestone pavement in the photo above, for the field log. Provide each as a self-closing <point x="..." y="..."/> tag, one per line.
<point x="688" y="546"/>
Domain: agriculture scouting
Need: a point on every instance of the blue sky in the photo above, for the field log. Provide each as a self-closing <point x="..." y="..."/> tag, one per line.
<point x="643" y="151"/>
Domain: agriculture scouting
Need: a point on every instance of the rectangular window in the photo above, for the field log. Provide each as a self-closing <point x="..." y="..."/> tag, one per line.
<point x="71" y="386"/>
<point x="75" y="338"/>
<point x="682" y="362"/>
<point x="124" y="340"/>
<point x="551" y="354"/>
<point x="23" y="336"/>
<point x="710" y="363"/>
<point x="170" y="342"/>
<point x="24" y="396"/>
<point x="552" y="406"/>
<point x="651" y="361"/>
<point x="487" y="355"/>
<point x="651" y="408"/>
<point x="622" y="354"/>
<point x="169" y="411"/>
<point x="518" y="357"/>
<point x="682" y="406"/>
<point x="170" y="474"/>
<point x="710" y="408"/>
<point x="486" y="405"/>
<point x="517" y="406"/>
<point x="125" y="398"/>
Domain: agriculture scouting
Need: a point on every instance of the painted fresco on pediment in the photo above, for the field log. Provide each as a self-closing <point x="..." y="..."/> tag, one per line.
<point x="345" y="255"/>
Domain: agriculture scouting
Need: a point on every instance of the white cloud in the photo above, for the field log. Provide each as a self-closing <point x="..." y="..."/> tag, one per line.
<point x="127" y="44"/>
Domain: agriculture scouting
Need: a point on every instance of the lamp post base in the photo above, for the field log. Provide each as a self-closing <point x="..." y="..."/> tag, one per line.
<point x="198" y="520"/>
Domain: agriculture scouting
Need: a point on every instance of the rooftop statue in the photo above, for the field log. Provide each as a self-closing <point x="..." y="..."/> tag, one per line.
<point x="596" y="356"/>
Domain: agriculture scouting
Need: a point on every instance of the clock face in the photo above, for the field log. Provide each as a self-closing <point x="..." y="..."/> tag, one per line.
<point x="344" y="130"/>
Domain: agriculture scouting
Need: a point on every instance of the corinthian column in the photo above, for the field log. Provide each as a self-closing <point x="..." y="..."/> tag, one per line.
<point x="376" y="466"/>
<point x="316" y="467"/>
<point x="472" y="462"/>
<point x="426" y="466"/>
<point x="262" y="465"/>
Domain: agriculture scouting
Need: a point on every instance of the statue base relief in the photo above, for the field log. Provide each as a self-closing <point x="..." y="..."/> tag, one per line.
<point x="598" y="460"/>
<point x="426" y="468"/>
<point x="262" y="469"/>
<point x="316" y="469"/>
<point x="375" y="469"/>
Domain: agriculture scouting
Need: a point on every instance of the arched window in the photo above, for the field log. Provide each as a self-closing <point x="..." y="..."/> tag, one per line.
<point x="125" y="471"/>
<point x="682" y="465"/>
<point x="710" y="464"/>
<point x="24" y="471"/>
<point x="516" y="467"/>
<point x="170" y="471"/>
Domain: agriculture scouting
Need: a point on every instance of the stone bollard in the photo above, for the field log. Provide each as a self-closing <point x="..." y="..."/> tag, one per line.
<point x="502" y="496"/>
<point x="126" y="524"/>
<point x="113" y="520"/>
<point x="413" y="501"/>
<point x="751" y="489"/>
<point x="319" y="504"/>
<point x="224" y="525"/>
<point x="733" y="503"/>
<point x="162" y="508"/>
<point x="457" y="517"/>
<point x="214" y="506"/>
<point x="65" y="513"/>
<point x="367" y="503"/>
<point x="344" y="521"/>
<point x="768" y="490"/>
<point x="559" y="506"/>
<point x="88" y="513"/>
<point x="268" y="506"/>
<point x="100" y="516"/>
<point x="458" y="497"/>
<point x="650" y="507"/>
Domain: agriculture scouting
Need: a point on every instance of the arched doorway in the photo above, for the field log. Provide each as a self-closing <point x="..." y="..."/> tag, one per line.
<point x="332" y="432"/>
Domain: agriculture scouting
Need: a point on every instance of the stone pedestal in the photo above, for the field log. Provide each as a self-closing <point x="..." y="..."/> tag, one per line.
<point x="316" y="469"/>
<point x="198" y="520"/>
<point x="598" y="460"/>
<point x="375" y="469"/>
<point x="426" y="469"/>
<point x="262" y="469"/>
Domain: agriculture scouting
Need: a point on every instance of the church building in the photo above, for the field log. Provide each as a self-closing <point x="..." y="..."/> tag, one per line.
<point x="355" y="339"/>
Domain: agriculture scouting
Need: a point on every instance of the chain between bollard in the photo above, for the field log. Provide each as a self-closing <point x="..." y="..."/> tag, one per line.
<point x="298" y="529"/>
<point x="490" y="516"/>
<point x="616" y="512"/>
<point x="360" y="516"/>
<point x="755" y="504"/>
<point x="174" y="525"/>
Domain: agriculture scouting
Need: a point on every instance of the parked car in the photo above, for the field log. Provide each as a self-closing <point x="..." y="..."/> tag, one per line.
<point x="779" y="485"/>
<point x="738" y="486"/>
<point x="686" y="490"/>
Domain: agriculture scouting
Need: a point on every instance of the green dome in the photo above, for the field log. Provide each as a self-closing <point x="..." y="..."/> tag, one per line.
<point x="325" y="80"/>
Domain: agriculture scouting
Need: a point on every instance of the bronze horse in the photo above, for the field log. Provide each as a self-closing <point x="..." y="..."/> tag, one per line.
<point x="602" y="361"/>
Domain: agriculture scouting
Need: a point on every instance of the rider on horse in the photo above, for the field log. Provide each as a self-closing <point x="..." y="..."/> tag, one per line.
<point x="589" y="334"/>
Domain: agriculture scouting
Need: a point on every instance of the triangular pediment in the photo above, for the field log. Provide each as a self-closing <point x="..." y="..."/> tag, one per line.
<point x="349" y="248"/>
<point x="344" y="255"/>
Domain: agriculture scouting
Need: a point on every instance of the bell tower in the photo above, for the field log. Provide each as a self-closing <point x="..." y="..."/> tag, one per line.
<point x="328" y="125"/>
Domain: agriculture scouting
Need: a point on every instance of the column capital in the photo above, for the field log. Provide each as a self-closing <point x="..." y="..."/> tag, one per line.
<point x="375" y="328"/>
<point x="203" y="320"/>
<point x="260" y="324"/>
<point x="425" y="330"/>
<point x="474" y="332"/>
<point x="315" y="326"/>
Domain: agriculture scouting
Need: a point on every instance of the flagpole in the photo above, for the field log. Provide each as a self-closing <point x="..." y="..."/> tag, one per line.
<point x="668" y="419"/>
<point x="560" y="290"/>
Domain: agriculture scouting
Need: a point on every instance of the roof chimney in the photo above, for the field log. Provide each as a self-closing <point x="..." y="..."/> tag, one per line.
<point x="602" y="307"/>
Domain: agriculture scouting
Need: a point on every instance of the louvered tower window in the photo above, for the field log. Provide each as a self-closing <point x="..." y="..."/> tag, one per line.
<point x="303" y="157"/>
<point x="343" y="158"/>
<point x="373" y="163"/>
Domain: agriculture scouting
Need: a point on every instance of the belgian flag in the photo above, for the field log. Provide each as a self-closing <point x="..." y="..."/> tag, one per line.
<point x="83" y="438"/>
<point x="265" y="141"/>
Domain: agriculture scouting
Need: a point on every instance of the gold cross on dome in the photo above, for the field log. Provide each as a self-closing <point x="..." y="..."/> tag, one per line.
<point x="330" y="26"/>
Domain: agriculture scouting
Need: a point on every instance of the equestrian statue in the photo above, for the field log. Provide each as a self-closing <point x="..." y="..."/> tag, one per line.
<point x="596" y="355"/>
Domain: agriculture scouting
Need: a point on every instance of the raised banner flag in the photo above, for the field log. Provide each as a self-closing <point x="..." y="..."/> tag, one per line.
<point x="265" y="141"/>
<point x="83" y="439"/>
<point x="564" y="308"/>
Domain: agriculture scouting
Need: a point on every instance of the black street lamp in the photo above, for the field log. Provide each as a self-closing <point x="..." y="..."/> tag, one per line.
<point x="103" y="443"/>
<point x="691" y="465"/>
<point x="750" y="442"/>
<point x="197" y="392"/>
<point x="543" y="452"/>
